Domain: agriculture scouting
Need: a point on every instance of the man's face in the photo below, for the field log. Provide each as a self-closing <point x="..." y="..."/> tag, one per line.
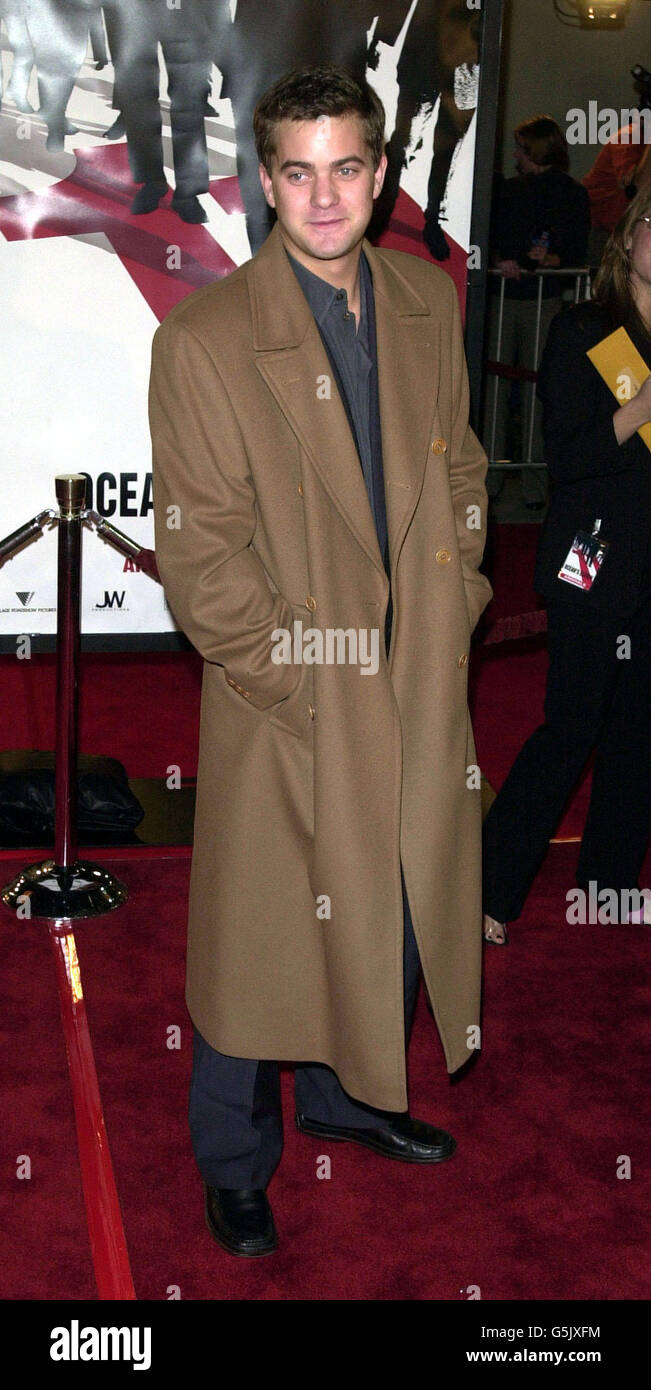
<point x="523" y="163"/>
<point x="322" y="185"/>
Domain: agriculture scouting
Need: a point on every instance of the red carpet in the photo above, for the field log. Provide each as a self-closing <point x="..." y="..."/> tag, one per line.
<point x="529" y="1207"/>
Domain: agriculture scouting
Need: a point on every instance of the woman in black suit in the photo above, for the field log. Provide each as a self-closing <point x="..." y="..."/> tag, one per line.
<point x="599" y="682"/>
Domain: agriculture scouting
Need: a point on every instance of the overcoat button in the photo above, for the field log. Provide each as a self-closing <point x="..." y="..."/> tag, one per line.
<point x="312" y="711"/>
<point x="239" y="688"/>
<point x="310" y="603"/>
<point x="300" y="489"/>
<point x="463" y="658"/>
<point x="439" y="446"/>
<point x="442" y="557"/>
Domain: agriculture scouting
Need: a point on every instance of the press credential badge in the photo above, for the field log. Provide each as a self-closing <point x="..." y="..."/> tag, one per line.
<point x="584" y="558"/>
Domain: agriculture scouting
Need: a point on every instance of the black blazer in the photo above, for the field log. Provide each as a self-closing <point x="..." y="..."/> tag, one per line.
<point x="591" y="474"/>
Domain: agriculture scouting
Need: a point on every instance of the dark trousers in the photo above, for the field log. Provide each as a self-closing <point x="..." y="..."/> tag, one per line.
<point x="235" y="1111"/>
<point x="598" y="701"/>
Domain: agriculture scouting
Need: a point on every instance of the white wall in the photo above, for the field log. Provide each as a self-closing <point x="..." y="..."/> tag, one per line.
<point x="547" y="68"/>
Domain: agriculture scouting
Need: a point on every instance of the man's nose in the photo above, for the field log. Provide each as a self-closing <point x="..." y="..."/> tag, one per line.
<point x="324" y="191"/>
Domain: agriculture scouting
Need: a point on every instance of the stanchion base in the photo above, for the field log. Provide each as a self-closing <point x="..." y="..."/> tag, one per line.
<point x="53" y="893"/>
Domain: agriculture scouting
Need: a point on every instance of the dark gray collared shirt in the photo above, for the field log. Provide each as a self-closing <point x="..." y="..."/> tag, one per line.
<point x="353" y="357"/>
<point x="349" y="346"/>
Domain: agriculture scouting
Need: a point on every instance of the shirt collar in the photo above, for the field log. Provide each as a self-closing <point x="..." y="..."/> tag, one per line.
<point x="321" y="295"/>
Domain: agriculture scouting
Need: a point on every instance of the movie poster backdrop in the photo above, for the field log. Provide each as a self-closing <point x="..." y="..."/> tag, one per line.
<point x="129" y="178"/>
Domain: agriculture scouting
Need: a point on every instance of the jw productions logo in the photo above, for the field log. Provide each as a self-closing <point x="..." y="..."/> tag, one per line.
<point x="112" y="600"/>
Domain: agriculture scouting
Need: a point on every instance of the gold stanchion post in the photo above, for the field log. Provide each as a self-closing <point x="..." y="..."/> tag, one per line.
<point x="66" y="888"/>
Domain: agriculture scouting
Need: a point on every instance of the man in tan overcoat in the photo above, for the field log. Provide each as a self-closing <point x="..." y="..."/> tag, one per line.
<point x="320" y="519"/>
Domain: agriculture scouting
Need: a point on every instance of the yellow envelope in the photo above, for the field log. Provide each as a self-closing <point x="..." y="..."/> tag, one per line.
<point x="623" y="369"/>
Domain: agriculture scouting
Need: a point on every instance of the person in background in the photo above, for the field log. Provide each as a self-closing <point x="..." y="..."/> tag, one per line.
<point x="541" y="220"/>
<point x="621" y="169"/>
<point x="599" y="682"/>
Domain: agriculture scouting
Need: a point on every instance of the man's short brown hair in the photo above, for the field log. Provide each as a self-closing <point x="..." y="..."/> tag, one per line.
<point x="544" y="142"/>
<point x="308" y="93"/>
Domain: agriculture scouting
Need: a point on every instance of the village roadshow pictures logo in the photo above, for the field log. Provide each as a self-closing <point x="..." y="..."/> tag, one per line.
<point x="25" y="605"/>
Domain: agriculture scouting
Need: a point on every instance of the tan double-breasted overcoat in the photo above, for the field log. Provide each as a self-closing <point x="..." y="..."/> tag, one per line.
<point x="315" y="780"/>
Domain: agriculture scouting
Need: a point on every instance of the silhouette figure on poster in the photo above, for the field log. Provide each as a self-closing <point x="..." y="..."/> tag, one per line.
<point x="53" y="34"/>
<point x="113" y="33"/>
<point x="98" y="45"/>
<point x="268" y="40"/>
<point x="184" y="33"/>
<point x="439" y="59"/>
<point x="438" y="62"/>
<point x="12" y="13"/>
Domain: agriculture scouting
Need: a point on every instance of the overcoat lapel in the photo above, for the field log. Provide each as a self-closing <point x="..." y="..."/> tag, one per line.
<point x="407" y="400"/>
<point x="292" y="360"/>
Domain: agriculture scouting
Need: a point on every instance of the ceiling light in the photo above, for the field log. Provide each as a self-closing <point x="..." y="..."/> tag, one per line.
<point x="600" y="14"/>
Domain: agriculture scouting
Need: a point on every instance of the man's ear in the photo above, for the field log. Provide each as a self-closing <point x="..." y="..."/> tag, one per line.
<point x="267" y="189"/>
<point x="378" y="177"/>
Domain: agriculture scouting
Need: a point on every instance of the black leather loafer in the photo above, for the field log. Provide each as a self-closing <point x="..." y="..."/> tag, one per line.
<point x="411" y="1141"/>
<point x="241" y="1220"/>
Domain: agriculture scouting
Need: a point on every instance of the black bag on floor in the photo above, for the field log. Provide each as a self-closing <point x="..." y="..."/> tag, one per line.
<point x="106" y="807"/>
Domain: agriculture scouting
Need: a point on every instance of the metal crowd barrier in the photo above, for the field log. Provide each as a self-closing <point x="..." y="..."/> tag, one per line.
<point x="501" y="371"/>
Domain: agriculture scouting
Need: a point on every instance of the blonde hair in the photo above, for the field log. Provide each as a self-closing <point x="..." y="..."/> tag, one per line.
<point x="612" y="285"/>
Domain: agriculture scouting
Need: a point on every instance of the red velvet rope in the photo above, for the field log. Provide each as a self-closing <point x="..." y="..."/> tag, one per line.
<point x="516" y="625"/>
<point x="105" y="1229"/>
<point x="511" y="373"/>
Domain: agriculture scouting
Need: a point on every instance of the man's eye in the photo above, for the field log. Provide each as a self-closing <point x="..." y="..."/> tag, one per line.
<point x="297" y="174"/>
